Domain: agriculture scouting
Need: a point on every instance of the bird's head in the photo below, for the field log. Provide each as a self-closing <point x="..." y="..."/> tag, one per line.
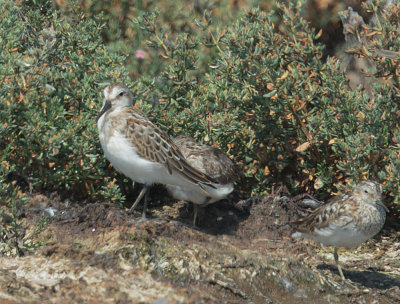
<point x="115" y="96"/>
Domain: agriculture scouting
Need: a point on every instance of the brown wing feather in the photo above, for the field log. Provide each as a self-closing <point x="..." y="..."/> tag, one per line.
<point x="155" y="145"/>
<point x="207" y="159"/>
<point x="322" y="216"/>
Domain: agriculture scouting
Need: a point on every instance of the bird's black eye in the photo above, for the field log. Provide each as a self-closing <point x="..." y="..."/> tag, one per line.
<point x="366" y="191"/>
<point x="121" y="94"/>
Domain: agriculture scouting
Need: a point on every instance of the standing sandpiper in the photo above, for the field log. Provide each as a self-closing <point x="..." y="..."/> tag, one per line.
<point x="141" y="151"/>
<point x="210" y="161"/>
<point x="346" y="220"/>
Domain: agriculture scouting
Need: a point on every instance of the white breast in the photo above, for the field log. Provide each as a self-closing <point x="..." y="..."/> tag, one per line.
<point x="123" y="156"/>
<point x="339" y="237"/>
<point x="349" y="231"/>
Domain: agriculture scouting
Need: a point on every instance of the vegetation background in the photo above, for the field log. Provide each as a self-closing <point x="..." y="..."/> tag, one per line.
<point x="261" y="80"/>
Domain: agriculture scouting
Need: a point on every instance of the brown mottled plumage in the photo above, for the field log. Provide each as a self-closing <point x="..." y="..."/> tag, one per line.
<point x="155" y="145"/>
<point x="140" y="150"/>
<point x="346" y="220"/>
<point x="210" y="161"/>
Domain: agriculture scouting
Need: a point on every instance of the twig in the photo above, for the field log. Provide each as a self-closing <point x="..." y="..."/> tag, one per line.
<point x="235" y="291"/>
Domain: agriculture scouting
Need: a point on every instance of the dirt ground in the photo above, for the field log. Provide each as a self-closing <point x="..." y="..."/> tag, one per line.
<point x="238" y="253"/>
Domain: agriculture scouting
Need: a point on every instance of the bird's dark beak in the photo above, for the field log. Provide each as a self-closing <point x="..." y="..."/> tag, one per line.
<point x="106" y="107"/>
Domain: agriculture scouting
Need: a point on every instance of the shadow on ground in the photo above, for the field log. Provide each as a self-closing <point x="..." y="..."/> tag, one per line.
<point x="240" y="252"/>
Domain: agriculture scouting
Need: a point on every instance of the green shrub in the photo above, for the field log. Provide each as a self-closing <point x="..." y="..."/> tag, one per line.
<point x="12" y="200"/>
<point x="174" y="17"/>
<point x="52" y="72"/>
<point x="273" y="104"/>
<point x="258" y="88"/>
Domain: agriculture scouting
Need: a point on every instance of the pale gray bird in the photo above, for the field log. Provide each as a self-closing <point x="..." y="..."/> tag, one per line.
<point x="346" y="220"/>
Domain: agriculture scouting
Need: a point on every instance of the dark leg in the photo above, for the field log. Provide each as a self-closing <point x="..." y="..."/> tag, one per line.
<point x="336" y="256"/>
<point x="146" y="198"/>
<point x="143" y="192"/>
<point x="195" y="210"/>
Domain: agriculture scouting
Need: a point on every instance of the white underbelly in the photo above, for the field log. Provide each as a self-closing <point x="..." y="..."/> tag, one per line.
<point x="196" y="195"/>
<point x="124" y="158"/>
<point x="348" y="238"/>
